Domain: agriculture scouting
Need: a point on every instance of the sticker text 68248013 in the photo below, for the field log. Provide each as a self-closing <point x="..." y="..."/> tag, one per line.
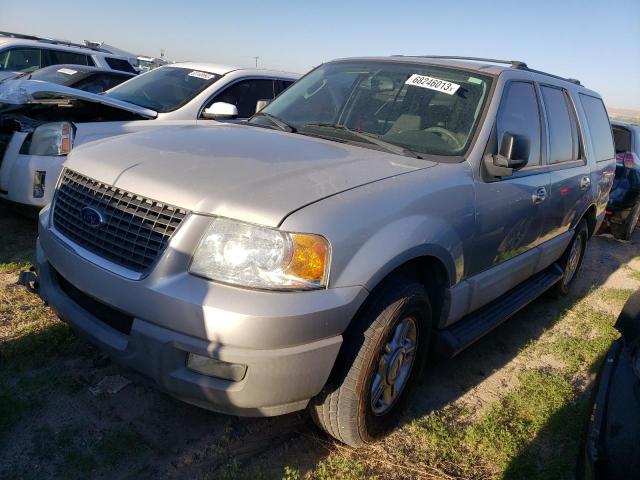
<point x="431" y="83"/>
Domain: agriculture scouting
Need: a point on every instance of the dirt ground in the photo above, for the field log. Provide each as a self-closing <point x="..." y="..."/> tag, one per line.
<point x="62" y="429"/>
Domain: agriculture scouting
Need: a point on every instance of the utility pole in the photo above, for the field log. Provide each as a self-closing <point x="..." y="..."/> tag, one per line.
<point x="256" y="58"/>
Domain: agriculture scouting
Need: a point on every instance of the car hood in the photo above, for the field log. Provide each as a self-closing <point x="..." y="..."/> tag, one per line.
<point x="238" y="171"/>
<point x="21" y="92"/>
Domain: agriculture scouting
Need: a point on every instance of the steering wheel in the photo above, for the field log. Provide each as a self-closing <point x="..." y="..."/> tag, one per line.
<point x="446" y="134"/>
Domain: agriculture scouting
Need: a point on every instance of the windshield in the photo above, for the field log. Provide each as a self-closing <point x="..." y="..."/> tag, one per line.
<point x="164" y="89"/>
<point x="422" y="108"/>
<point x="56" y="74"/>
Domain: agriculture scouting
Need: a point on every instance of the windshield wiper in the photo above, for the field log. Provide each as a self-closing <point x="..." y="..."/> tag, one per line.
<point x="371" y="138"/>
<point x="281" y="124"/>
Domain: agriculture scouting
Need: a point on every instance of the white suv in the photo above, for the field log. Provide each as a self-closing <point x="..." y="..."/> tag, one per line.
<point x="25" y="53"/>
<point x="40" y="122"/>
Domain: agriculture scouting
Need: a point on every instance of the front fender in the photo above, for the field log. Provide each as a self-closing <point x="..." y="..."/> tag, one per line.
<point x="375" y="228"/>
<point x="399" y="242"/>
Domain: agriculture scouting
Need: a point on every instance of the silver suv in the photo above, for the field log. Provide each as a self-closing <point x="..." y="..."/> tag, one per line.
<point x="380" y="208"/>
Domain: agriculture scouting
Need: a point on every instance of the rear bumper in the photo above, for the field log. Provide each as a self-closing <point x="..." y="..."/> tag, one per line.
<point x="289" y="342"/>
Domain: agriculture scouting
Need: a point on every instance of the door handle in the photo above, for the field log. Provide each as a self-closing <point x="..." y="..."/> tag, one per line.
<point x="539" y="196"/>
<point x="585" y="182"/>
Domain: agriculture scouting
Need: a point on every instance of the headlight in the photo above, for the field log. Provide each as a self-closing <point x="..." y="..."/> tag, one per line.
<point x="260" y="257"/>
<point x="52" y="139"/>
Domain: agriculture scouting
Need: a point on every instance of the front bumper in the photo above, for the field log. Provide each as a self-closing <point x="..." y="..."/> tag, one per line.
<point x="17" y="174"/>
<point x="289" y="341"/>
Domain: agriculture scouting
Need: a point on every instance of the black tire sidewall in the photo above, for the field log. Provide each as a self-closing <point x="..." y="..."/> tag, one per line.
<point x="414" y="302"/>
<point x="581" y="235"/>
<point x="630" y="225"/>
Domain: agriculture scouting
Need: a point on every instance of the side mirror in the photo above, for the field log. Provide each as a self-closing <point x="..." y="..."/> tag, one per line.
<point x="260" y="104"/>
<point x="512" y="155"/>
<point x="220" y="111"/>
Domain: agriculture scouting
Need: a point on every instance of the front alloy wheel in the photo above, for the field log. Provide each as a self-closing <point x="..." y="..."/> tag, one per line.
<point x="378" y="364"/>
<point x="394" y="367"/>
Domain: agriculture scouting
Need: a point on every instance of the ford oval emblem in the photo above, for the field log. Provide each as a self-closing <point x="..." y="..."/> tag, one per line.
<point x="92" y="217"/>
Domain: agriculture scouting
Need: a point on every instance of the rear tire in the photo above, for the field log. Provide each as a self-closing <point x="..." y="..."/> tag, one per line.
<point x="571" y="260"/>
<point x="380" y="359"/>
<point x="631" y="222"/>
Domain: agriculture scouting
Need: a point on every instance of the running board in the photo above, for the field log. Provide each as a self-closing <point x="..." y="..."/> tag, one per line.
<point x="452" y="340"/>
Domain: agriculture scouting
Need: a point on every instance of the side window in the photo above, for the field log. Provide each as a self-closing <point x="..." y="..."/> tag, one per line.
<point x="519" y="115"/>
<point x="120" y="64"/>
<point x="21" y="59"/>
<point x="622" y="139"/>
<point x="57" y="57"/>
<point x="281" y="86"/>
<point x="563" y="131"/>
<point x="245" y="94"/>
<point x="599" y="127"/>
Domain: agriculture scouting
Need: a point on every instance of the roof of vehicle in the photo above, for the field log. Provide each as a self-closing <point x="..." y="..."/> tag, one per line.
<point x="481" y="65"/>
<point x="220" y="69"/>
<point x="18" y="39"/>
<point x="630" y="126"/>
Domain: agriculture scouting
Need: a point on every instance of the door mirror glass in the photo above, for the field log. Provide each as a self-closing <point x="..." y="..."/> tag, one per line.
<point x="260" y="104"/>
<point x="514" y="150"/>
<point x="220" y="110"/>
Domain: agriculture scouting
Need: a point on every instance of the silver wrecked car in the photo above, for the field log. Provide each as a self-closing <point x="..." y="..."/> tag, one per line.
<point x="377" y="209"/>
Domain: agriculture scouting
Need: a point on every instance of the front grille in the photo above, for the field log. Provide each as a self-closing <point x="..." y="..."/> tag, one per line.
<point x="135" y="230"/>
<point x="110" y="316"/>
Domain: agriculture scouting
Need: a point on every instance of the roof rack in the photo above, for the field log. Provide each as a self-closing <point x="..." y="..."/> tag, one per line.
<point x="51" y="41"/>
<point x="513" y="63"/>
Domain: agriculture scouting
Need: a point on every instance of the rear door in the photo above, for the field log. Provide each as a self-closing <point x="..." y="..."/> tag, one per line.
<point x="570" y="190"/>
<point x="600" y="149"/>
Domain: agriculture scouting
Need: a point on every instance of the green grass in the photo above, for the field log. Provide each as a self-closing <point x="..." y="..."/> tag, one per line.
<point x="534" y="429"/>
<point x="634" y="274"/>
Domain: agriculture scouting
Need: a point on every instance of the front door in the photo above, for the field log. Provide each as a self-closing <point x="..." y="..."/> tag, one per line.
<point x="510" y="211"/>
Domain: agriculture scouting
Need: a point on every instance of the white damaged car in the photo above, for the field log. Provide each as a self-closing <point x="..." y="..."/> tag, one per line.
<point x="40" y="122"/>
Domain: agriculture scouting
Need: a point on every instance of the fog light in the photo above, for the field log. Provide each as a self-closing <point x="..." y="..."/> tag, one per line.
<point x="216" y="368"/>
<point x="39" y="178"/>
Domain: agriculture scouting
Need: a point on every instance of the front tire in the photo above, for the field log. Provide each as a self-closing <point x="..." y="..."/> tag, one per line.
<point x="380" y="360"/>
<point x="571" y="260"/>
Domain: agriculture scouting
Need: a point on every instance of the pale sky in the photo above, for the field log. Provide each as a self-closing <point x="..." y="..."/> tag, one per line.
<point x="597" y="42"/>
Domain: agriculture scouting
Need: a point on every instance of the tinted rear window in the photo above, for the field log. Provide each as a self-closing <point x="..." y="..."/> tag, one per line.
<point x="622" y="138"/>
<point x="57" y="57"/>
<point x="120" y="64"/>
<point x="599" y="127"/>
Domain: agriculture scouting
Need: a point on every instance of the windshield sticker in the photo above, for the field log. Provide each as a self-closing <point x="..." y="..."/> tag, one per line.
<point x="202" y="75"/>
<point x="475" y="80"/>
<point x="67" y="71"/>
<point x="431" y="83"/>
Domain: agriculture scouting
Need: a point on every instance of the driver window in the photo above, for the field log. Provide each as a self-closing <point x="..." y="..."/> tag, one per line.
<point x="245" y="94"/>
<point x="519" y="115"/>
<point x="21" y="59"/>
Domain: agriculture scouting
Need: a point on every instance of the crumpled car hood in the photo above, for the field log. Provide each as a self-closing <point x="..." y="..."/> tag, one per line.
<point x="20" y="92"/>
<point x="238" y="171"/>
